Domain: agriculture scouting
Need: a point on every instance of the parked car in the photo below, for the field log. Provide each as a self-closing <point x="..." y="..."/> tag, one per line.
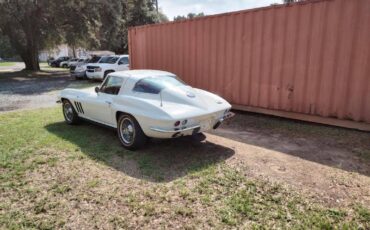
<point x="146" y="103"/>
<point x="78" y="70"/>
<point x="107" y="65"/>
<point x="49" y="60"/>
<point x="56" y="63"/>
<point x="77" y="61"/>
<point x="65" y="64"/>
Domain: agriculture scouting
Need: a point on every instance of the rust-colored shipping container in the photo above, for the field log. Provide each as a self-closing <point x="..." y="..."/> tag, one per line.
<point x="305" y="60"/>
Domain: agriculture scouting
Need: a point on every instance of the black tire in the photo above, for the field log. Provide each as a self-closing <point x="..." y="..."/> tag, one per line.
<point x="106" y="73"/>
<point x="70" y="117"/>
<point x="137" y="137"/>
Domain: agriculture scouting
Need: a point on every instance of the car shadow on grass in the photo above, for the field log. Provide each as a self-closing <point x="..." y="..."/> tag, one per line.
<point x="157" y="161"/>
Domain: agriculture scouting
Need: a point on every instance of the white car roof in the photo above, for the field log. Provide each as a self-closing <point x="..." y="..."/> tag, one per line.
<point x="124" y="55"/>
<point x="142" y="73"/>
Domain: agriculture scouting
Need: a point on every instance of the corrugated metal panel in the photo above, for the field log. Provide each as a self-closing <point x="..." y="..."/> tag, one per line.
<point x="311" y="57"/>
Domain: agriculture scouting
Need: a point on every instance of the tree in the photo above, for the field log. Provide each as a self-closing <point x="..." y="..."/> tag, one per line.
<point x="20" y="21"/>
<point x="189" y="16"/>
<point x="114" y="33"/>
<point x="33" y="25"/>
<point x="6" y="50"/>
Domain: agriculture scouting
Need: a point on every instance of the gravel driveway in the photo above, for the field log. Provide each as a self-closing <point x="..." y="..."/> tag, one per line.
<point x="27" y="93"/>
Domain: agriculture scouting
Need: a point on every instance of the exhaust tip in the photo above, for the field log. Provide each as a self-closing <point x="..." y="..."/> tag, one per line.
<point x="217" y="125"/>
<point x="177" y="134"/>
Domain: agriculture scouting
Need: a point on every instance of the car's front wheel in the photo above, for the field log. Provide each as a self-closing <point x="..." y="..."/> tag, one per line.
<point x="130" y="133"/>
<point x="70" y="115"/>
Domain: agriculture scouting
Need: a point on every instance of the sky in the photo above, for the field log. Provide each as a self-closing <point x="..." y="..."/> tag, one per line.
<point x="173" y="8"/>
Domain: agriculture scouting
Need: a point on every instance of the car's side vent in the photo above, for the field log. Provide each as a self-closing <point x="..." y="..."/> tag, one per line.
<point x="79" y="107"/>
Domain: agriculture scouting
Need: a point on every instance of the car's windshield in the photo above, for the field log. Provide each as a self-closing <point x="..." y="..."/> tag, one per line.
<point x="94" y="59"/>
<point x="157" y="84"/>
<point x="109" y="60"/>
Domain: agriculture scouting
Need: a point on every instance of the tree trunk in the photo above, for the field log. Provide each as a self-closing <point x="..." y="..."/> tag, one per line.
<point x="31" y="59"/>
<point x="29" y="52"/>
<point x="74" y="51"/>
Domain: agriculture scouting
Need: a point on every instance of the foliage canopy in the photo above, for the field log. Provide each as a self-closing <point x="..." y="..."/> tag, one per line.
<point x="33" y="25"/>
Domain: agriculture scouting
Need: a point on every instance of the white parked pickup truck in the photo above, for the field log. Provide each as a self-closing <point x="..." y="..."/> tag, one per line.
<point x="107" y="65"/>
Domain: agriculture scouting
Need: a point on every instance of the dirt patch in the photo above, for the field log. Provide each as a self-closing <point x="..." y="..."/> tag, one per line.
<point x="330" y="164"/>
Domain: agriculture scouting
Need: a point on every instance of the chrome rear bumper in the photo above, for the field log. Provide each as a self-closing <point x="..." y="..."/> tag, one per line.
<point x="176" y="132"/>
<point x="228" y="115"/>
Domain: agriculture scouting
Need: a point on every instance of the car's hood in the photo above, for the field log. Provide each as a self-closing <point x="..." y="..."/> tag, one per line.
<point x="84" y="65"/>
<point x="81" y="64"/>
<point x="101" y="65"/>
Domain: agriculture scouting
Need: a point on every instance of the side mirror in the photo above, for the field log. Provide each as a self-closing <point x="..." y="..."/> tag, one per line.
<point x="97" y="89"/>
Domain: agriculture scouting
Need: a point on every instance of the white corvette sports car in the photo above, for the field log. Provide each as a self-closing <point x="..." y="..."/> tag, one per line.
<point x="146" y="103"/>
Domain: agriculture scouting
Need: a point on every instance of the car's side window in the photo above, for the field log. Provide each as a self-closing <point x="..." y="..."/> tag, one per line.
<point x="112" y="85"/>
<point x="123" y="61"/>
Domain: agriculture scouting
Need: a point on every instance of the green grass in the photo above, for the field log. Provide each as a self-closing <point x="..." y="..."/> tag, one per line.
<point x="7" y="63"/>
<point x="59" y="176"/>
<point x="46" y="67"/>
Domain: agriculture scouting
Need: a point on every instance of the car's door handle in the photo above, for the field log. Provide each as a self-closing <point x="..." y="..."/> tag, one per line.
<point x="108" y="102"/>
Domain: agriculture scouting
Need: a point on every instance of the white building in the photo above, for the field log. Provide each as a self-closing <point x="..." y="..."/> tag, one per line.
<point x="61" y="51"/>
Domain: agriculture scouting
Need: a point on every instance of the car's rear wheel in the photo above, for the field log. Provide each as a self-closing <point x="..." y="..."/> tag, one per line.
<point x="130" y="133"/>
<point x="70" y="115"/>
<point x="65" y="66"/>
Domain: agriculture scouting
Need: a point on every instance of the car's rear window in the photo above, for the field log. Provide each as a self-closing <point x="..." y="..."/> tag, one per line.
<point x="156" y="84"/>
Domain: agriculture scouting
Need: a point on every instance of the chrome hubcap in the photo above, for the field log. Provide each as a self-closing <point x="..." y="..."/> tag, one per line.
<point x="127" y="131"/>
<point x="68" y="111"/>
